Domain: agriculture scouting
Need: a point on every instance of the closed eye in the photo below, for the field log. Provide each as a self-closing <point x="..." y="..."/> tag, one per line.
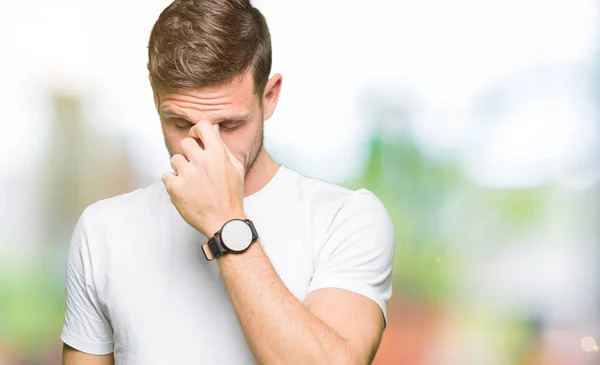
<point x="183" y="127"/>
<point x="230" y="126"/>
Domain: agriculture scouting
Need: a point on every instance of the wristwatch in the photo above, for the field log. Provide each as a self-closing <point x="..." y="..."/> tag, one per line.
<point x="235" y="236"/>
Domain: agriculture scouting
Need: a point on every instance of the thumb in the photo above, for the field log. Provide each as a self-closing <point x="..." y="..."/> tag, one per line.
<point x="195" y="134"/>
<point x="236" y="163"/>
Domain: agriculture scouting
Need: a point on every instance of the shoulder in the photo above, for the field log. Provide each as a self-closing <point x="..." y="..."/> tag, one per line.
<point x="335" y="210"/>
<point x="335" y="198"/>
<point x="125" y="206"/>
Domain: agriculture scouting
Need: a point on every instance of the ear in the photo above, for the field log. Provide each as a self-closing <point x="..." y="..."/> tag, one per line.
<point x="154" y="92"/>
<point x="271" y="95"/>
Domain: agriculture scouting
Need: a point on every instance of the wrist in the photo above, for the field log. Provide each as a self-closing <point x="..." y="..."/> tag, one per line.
<point x="235" y="236"/>
<point x="216" y="225"/>
<point x="253" y="250"/>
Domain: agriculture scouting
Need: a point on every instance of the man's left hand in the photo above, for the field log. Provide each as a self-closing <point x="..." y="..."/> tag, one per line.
<point x="207" y="187"/>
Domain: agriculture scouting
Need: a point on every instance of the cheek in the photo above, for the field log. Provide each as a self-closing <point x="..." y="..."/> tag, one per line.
<point x="173" y="137"/>
<point x="240" y="141"/>
<point x="234" y="142"/>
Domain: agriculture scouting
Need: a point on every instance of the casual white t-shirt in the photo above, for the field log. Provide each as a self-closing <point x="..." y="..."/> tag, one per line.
<point x="138" y="284"/>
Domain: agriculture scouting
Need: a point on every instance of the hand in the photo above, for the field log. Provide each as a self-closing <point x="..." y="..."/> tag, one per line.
<point x="207" y="187"/>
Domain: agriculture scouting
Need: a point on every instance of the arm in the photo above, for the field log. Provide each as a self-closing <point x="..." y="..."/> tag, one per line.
<point x="333" y="326"/>
<point x="72" y="356"/>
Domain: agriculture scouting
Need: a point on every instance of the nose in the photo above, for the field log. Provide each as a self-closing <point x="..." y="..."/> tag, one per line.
<point x="195" y="133"/>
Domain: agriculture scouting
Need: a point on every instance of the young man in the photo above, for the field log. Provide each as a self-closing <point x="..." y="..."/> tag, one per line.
<point x="232" y="258"/>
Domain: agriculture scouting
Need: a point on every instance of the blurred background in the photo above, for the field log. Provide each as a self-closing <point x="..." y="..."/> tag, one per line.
<point x="477" y="123"/>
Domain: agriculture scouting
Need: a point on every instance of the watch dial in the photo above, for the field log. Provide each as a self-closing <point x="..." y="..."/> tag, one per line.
<point x="236" y="235"/>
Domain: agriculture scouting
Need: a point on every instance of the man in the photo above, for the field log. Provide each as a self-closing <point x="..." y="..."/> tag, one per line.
<point x="232" y="258"/>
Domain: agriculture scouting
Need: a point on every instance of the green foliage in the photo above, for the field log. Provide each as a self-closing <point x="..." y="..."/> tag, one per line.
<point x="436" y="211"/>
<point x="519" y="208"/>
<point x="31" y="306"/>
<point x="413" y="187"/>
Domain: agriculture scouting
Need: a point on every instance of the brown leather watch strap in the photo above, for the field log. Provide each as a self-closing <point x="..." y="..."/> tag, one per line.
<point x="213" y="248"/>
<point x="206" y="251"/>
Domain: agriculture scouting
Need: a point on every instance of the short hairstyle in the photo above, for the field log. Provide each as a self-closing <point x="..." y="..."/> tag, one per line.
<point x="200" y="43"/>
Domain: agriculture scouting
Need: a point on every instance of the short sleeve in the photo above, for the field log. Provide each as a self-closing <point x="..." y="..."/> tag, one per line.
<point x="86" y="327"/>
<point x="358" y="250"/>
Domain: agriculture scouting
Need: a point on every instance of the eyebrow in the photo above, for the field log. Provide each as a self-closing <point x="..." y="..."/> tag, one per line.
<point x="233" y="118"/>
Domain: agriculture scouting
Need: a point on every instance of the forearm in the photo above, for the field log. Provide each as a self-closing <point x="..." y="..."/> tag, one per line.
<point x="278" y="328"/>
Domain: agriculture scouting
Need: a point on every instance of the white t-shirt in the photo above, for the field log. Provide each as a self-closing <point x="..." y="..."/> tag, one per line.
<point x="138" y="284"/>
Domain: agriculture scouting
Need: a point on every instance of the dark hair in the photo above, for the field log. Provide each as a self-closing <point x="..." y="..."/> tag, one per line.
<point x="200" y="43"/>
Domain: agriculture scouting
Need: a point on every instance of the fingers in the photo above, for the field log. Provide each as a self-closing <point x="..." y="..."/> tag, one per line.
<point x="208" y="134"/>
<point x="205" y="132"/>
<point x="215" y="128"/>
<point x="191" y="149"/>
<point x="168" y="178"/>
<point x="195" y="133"/>
<point x="177" y="163"/>
<point x="236" y="163"/>
<point x="231" y="156"/>
<point x="204" y="136"/>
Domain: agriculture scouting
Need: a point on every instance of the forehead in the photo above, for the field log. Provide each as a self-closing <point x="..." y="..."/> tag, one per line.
<point x="223" y="101"/>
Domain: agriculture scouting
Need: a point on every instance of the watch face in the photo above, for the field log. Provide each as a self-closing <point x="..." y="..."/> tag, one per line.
<point x="236" y="235"/>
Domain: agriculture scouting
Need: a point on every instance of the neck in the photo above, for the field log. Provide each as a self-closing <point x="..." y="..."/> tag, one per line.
<point x="262" y="171"/>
